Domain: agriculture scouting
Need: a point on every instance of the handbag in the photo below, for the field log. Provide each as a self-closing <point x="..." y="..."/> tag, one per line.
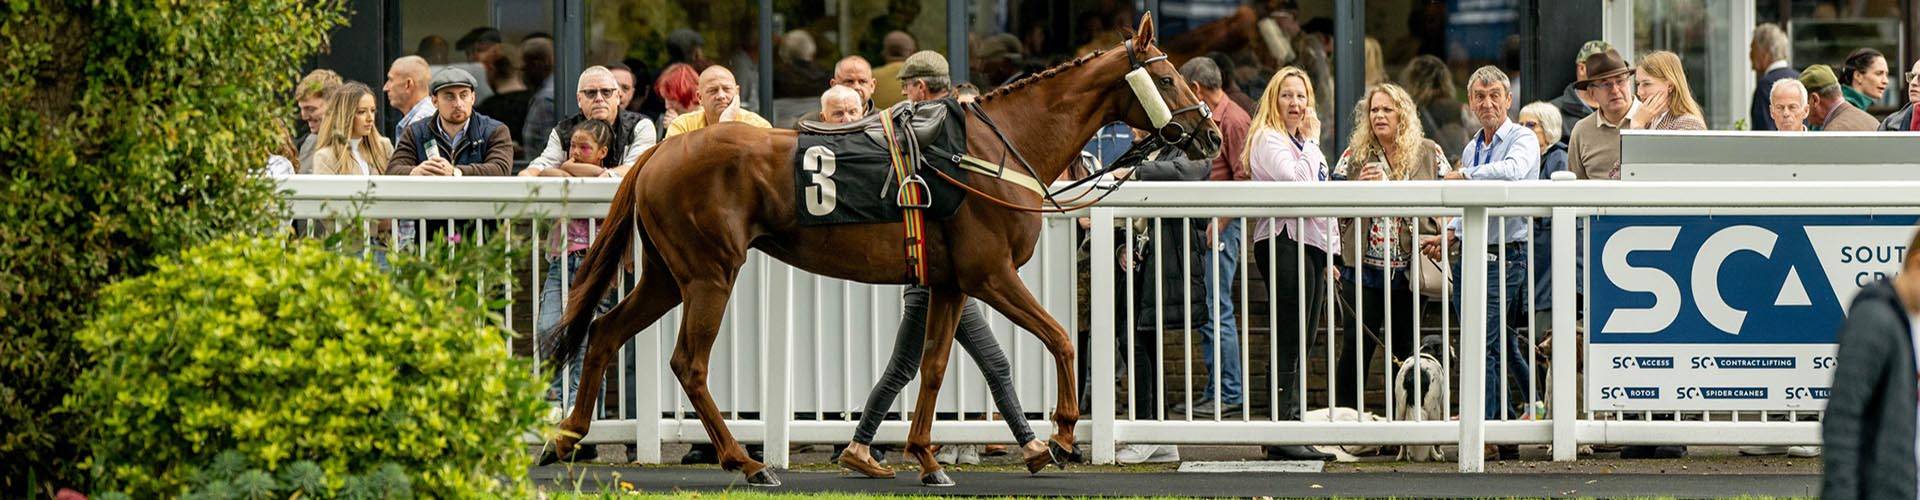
<point x="1435" y="281"/>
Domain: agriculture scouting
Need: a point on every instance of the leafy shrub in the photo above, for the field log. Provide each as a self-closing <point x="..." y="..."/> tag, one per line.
<point x="128" y="130"/>
<point x="289" y="352"/>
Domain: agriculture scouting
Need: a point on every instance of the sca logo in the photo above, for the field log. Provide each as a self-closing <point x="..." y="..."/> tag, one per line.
<point x="1704" y="277"/>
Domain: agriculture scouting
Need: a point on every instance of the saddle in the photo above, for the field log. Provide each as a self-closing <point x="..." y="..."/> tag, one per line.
<point x="922" y="119"/>
<point x="871" y="171"/>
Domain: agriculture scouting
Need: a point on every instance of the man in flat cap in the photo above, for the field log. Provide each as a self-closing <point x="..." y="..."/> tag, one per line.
<point x="1827" y="107"/>
<point x="456" y="141"/>
<point x="924" y="77"/>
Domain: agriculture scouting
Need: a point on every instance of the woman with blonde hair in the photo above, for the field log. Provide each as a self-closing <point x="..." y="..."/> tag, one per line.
<point x="349" y="143"/>
<point x="1283" y="145"/>
<point x="1666" y="102"/>
<point x="1387" y="145"/>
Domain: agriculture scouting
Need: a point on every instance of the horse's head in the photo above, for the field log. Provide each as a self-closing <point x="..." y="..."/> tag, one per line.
<point x="1162" y="101"/>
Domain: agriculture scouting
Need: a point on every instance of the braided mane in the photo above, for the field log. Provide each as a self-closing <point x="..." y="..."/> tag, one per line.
<point x="1029" y="80"/>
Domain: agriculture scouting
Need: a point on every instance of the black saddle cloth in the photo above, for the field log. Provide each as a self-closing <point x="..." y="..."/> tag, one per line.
<point x="847" y="177"/>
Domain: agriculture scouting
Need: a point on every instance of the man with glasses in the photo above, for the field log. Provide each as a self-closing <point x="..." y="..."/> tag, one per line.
<point x="599" y="96"/>
<point x="1904" y="120"/>
<point x="719" y="102"/>
<point x="1593" y="151"/>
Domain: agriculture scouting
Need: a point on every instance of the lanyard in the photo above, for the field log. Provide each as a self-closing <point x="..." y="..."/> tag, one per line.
<point x="1483" y="151"/>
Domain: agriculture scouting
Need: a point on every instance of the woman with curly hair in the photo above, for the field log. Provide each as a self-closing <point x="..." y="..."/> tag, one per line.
<point x="1386" y="145"/>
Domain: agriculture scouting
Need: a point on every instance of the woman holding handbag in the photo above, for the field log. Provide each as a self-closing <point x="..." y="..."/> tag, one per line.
<point x="1382" y="260"/>
<point x="1293" y="253"/>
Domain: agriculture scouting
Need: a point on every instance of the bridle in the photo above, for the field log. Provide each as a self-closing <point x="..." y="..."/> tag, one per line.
<point x="1173" y="133"/>
<point x="1168" y="135"/>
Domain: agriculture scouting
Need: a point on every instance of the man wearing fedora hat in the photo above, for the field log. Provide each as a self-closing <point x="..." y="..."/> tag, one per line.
<point x="1827" y="107"/>
<point x="1593" y="149"/>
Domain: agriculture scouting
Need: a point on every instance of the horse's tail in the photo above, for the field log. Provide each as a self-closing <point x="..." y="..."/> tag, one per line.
<point x="598" y="270"/>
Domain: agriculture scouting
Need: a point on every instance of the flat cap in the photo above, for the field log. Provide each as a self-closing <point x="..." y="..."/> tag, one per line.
<point x="924" y="64"/>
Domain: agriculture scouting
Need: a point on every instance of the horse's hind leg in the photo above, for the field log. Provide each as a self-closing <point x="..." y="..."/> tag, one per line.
<point x="651" y="298"/>
<point x="943" y="314"/>
<point x="706" y="305"/>
<point x="1004" y="292"/>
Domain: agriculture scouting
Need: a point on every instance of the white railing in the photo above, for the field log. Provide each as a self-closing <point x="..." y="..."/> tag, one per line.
<point x="826" y="341"/>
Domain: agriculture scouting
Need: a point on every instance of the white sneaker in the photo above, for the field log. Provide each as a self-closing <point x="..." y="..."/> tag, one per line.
<point x="1763" y="451"/>
<point x="948" y="454"/>
<point x="969" y="455"/>
<point x="1803" y="451"/>
<point x="1147" y="453"/>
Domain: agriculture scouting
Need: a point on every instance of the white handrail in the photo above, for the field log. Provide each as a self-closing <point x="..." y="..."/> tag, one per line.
<point x="1564" y="201"/>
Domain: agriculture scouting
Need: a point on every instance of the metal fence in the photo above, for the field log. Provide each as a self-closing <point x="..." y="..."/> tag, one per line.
<point x="799" y="352"/>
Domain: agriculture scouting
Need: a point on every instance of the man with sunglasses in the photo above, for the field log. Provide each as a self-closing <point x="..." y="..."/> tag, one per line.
<point x="1593" y="151"/>
<point x="599" y="96"/>
<point x="719" y="102"/>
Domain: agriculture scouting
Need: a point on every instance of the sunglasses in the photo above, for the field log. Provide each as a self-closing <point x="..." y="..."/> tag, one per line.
<point x="1529" y="124"/>
<point x="599" y="93"/>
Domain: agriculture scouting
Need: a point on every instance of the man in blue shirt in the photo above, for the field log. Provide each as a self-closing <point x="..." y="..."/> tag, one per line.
<point x="1502" y="151"/>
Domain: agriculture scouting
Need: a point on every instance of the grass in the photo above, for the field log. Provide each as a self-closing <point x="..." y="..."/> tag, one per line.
<point x="763" y="495"/>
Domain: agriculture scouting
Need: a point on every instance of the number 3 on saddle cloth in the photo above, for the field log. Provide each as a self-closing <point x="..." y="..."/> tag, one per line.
<point x="853" y="173"/>
<point x="845" y="173"/>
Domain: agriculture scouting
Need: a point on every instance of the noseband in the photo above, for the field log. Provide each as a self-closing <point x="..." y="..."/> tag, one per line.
<point x="1170" y="132"/>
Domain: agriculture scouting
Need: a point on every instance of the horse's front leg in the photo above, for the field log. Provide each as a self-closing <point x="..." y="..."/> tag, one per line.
<point x="1005" y="292"/>
<point x="943" y="314"/>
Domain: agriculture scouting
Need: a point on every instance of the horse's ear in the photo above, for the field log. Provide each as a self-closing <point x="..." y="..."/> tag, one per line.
<point x="1145" y="35"/>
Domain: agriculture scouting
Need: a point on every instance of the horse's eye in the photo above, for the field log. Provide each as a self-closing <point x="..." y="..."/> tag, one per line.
<point x="1166" y="81"/>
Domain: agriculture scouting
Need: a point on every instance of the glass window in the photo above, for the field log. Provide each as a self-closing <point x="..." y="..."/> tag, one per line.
<point x="1826" y="32"/>
<point x="650" y="36"/>
<point x="1431" y="47"/>
<point x="812" y="36"/>
<point x="485" y="38"/>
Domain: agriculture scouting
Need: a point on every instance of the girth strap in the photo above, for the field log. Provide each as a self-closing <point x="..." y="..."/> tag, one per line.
<point x="913" y="199"/>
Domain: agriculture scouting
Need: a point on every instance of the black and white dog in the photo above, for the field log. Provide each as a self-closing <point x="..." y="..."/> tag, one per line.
<point x="1421" y="385"/>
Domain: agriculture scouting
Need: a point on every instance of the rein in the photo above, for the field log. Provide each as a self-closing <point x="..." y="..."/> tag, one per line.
<point x="1168" y="135"/>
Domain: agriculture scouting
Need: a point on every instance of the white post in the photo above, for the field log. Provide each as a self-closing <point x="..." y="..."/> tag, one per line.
<point x="1473" y="339"/>
<point x="1616" y="26"/>
<point x="1565" y="391"/>
<point x="1101" y="345"/>
<point x="647" y="380"/>
<point x="777" y="412"/>
<point x="1734" y="79"/>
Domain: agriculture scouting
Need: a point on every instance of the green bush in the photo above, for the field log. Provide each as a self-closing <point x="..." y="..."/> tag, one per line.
<point x="289" y="352"/>
<point x="128" y="130"/>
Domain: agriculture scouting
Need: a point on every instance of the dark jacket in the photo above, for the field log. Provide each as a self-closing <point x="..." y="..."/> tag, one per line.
<point x="1762" y="111"/>
<point x="1898" y="121"/>
<point x="486" y="149"/>
<point x="1166" y="267"/>
<point x="1572" y="110"/>
<point x="1869" y="423"/>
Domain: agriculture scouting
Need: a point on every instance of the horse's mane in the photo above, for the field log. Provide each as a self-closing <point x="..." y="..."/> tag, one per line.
<point x="1029" y="80"/>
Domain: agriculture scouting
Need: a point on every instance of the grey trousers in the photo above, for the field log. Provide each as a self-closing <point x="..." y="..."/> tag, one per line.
<point x="973" y="335"/>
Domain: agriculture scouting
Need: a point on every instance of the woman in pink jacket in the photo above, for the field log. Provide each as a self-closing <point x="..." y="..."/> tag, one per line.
<point x="1281" y="146"/>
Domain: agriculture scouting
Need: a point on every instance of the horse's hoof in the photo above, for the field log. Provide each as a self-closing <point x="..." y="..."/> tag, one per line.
<point x="548" y="457"/>
<point x="936" y="479"/>
<point x="1062" y="454"/>
<point x="764" y="478"/>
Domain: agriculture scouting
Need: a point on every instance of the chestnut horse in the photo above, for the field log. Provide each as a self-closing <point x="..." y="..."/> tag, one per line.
<point x="702" y="199"/>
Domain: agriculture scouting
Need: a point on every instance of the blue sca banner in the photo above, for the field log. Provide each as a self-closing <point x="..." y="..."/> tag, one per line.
<point x="1726" y="312"/>
<point x="1734" y="279"/>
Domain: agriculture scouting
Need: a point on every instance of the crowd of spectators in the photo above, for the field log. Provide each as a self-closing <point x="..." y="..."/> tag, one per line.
<point x="495" y="115"/>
